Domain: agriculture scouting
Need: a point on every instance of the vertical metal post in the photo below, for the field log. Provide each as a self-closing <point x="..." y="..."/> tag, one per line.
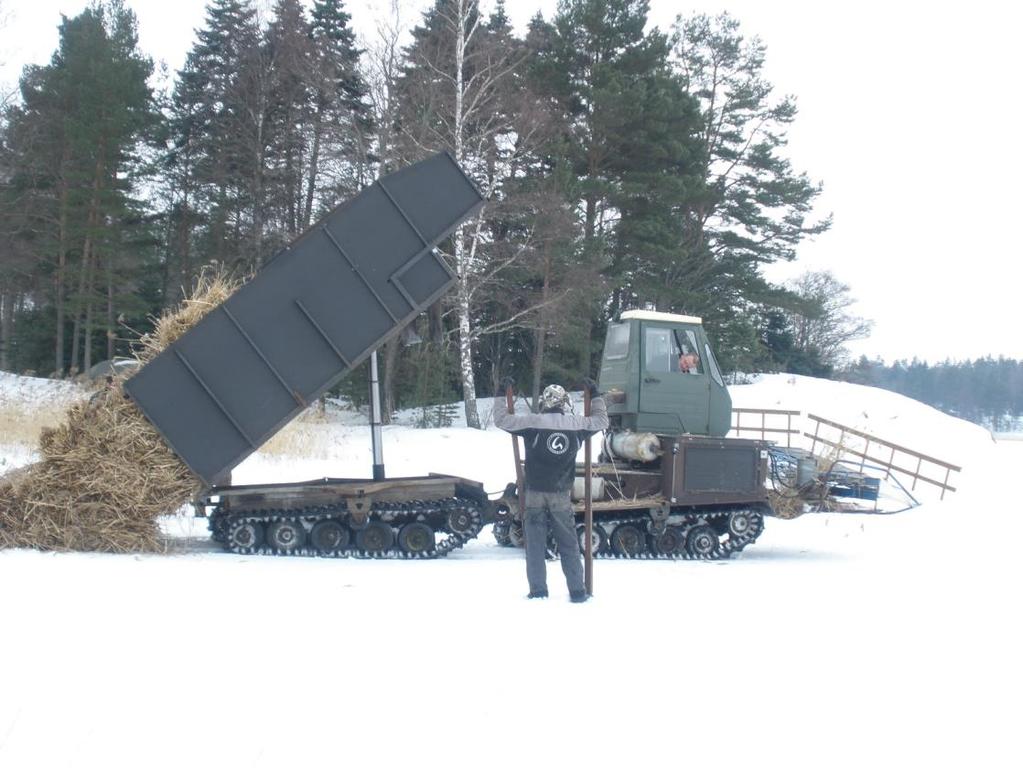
<point x="588" y="509"/>
<point x="520" y="485"/>
<point x="375" y="418"/>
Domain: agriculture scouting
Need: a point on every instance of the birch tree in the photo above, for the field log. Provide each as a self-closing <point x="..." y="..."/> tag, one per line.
<point x="461" y="93"/>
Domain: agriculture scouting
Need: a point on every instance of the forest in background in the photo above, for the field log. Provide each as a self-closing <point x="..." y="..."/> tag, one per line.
<point x="986" y="391"/>
<point x="624" y="167"/>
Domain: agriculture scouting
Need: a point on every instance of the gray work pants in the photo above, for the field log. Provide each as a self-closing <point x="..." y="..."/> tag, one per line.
<point x="553" y="510"/>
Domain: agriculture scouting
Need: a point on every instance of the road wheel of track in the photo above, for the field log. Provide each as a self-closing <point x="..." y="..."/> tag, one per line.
<point x="285" y="535"/>
<point x="416" y="538"/>
<point x="245" y="535"/>
<point x="375" y="537"/>
<point x="502" y="533"/>
<point x="628" y="541"/>
<point x="742" y="522"/>
<point x="599" y="539"/>
<point x="329" y="536"/>
<point x="460" y="520"/>
<point x="218" y="523"/>
<point x="669" y="542"/>
<point x="702" y="541"/>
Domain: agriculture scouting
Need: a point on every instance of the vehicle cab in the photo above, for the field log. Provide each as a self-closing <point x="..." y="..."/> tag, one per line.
<point x="661" y="376"/>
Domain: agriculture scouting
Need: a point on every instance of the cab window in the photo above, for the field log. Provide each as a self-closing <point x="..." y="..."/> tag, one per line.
<point x="660" y="352"/>
<point x="714" y="371"/>
<point x="689" y="360"/>
<point x="617" y="346"/>
<point x="669" y="350"/>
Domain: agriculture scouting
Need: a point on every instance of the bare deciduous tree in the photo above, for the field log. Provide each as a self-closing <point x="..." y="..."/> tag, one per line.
<point x="382" y="66"/>
<point x="460" y="93"/>
<point x="826" y="325"/>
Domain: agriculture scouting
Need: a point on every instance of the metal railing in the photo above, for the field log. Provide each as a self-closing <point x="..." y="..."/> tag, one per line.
<point x="928" y="469"/>
<point x="891" y="457"/>
<point x="764" y="428"/>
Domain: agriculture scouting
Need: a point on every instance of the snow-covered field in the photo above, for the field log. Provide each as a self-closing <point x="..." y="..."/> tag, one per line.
<point x="834" y="640"/>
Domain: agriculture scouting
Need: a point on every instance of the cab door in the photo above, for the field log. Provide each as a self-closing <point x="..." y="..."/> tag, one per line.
<point x="674" y="389"/>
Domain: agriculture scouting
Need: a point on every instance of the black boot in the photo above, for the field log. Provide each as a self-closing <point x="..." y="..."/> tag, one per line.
<point x="541" y="593"/>
<point x="578" y="596"/>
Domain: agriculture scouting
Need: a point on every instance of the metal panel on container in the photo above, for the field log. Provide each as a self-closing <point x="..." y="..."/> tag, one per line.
<point x="315" y="311"/>
<point x="720" y="468"/>
<point x="713" y="470"/>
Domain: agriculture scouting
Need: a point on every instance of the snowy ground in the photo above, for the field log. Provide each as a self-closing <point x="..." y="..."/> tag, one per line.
<point x="834" y="640"/>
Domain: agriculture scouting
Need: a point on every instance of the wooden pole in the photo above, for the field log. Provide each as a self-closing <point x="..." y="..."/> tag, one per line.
<point x="520" y="486"/>
<point x="588" y="515"/>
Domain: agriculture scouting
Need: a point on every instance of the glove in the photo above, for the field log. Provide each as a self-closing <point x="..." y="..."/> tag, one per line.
<point x="590" y="386"/>
<point x="507" y="383"/>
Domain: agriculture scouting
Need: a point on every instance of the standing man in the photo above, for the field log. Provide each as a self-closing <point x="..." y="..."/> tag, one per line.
<point x="552" y="438"/>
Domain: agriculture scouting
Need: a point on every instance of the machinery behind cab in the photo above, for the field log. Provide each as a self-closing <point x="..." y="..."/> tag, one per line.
<point x="668" y="483"/>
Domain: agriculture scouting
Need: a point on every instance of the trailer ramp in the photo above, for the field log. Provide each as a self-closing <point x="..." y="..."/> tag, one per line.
<point x="315" y="311"/>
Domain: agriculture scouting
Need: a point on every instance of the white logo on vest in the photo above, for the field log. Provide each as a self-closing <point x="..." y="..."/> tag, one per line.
<point x="557" y="443"/>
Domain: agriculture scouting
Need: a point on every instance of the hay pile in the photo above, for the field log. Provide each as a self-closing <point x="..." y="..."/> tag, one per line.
<point x="787" y="505"/>
<point x="106" y="475"/>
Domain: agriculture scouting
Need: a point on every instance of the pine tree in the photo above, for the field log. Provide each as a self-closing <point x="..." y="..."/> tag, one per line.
<point x="757" y="208"/>
<point x="632" y="148"/>
<point x="211" y="126"/>
<point x="289" y="54"/>
<point x="340" y="125"/>
<point x="16" y="262"/>
<point x="74" y="137"/>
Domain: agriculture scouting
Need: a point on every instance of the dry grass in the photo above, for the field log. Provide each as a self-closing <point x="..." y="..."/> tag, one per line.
<point x="787" y="505"/>
<point x="106" y="475"/>
<point x="312" y="435"/>
<point x="790" y="503"/>
<point x="211" y="290"/>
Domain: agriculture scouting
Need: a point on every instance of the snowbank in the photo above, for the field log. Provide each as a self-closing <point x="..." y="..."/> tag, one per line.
<point x="28" y="393"/>
<point x="881" y="413"/>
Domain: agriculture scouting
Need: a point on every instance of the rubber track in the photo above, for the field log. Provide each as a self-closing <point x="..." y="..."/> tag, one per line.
<point x="395" y="515"/>
<point x="726" y="548"/>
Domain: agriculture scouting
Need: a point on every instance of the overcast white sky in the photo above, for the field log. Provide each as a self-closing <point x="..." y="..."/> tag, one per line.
<point x="909" y="114"/>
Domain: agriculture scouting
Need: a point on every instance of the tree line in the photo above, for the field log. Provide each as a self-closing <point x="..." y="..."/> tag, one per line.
<point x="623" y="167"/>
<point x="986" y="391"/>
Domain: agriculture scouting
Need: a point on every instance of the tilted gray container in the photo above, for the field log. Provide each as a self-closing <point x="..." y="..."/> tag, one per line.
<point x="318" y="309"/>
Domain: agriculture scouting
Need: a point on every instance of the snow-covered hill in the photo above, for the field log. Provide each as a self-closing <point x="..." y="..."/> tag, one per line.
<point x="834" y="640"/>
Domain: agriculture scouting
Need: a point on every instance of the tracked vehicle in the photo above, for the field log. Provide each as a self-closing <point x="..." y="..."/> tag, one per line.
<point x="668" y="483"/>
<point x="318" y="309"/>
<point x="404" y="518"/>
